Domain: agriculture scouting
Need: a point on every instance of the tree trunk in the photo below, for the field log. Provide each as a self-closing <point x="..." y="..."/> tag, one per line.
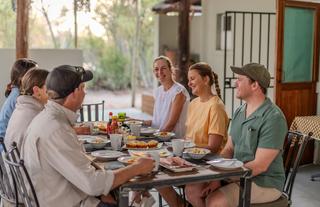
<point x="22" y="28"/>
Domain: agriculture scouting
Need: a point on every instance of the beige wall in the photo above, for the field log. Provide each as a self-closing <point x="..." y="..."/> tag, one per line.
<point x="46" y="58"/>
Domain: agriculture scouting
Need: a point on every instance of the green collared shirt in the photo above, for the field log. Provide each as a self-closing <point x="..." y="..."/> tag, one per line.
<point x="264" y="128"/>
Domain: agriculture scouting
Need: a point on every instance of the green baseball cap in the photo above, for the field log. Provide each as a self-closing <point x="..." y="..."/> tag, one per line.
<point x="254" y="71"/>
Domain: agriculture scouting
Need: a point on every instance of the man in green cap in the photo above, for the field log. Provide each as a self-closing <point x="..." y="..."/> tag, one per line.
<point x="257" y="134"/>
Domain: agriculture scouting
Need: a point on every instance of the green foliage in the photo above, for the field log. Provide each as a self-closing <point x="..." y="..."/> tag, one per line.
<point x="7" y="25"/>
<point x="109" y="65"/>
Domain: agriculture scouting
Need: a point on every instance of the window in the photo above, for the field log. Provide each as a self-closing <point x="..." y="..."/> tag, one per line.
<point x="224" y="25"/>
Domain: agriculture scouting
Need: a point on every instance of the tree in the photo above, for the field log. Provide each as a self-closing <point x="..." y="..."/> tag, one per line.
<point x="7" y="25"/>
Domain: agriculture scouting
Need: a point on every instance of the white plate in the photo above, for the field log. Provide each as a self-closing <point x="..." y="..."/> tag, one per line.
<point x="86" y="138"/>
<point x="107" y="154"/>
<point x="226" y="164"/>
<point x="186" y="144"/>
<point x="144" y="149"/>
<point x="162" y="153"/>
<point x="148" y="131"/>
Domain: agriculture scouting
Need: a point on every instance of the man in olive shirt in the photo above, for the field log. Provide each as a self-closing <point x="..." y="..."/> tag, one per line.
<point x="257" y="134"/>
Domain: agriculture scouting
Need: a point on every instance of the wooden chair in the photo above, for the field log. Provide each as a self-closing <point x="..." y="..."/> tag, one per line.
<point x="293" y="152"/>
<point x="92" y="112"/>
<point x="24" y="186"/>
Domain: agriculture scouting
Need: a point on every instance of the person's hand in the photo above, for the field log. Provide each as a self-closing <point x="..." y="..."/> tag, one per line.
<point x="145" y="165"/>
<point x="212" y="186"/>
<point x="108" y="199"/>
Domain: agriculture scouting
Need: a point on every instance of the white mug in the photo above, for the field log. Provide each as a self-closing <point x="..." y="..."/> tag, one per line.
<point x="116" y="140"/>
<point x="177" y="146"/>
<point x="156" y="157"/>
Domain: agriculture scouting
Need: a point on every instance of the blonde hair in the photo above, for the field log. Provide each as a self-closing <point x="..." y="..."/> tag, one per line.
<point x="165" y="58"/>
<point x="204" y="70"/>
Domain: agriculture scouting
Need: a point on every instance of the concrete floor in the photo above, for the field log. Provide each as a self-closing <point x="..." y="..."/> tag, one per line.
<point x="306" y="193"/>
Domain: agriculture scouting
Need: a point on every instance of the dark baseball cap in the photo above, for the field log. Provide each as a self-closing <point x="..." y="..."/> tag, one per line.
<point x="254" y="71"/>
<point x="65" y="79"/>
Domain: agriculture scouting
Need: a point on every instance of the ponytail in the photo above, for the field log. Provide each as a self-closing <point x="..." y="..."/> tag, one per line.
<point x="8" y="90"/>
<point x="216" y="84"/>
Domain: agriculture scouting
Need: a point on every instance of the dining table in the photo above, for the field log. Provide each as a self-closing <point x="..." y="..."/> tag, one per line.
<point x="163" y="177"/>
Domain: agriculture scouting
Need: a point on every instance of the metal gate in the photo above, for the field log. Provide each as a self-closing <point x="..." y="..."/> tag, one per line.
<point x="248" y="37"/>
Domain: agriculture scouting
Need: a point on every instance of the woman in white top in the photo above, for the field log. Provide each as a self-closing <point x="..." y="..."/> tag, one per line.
<point x="29" y="104"/>
<point x="171" y="100"/>
<point x="169" y="112"/>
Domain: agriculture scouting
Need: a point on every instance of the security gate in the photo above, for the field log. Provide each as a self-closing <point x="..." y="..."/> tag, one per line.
<point x="248" y="37"/>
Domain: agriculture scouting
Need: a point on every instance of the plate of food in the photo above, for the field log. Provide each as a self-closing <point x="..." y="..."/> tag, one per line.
<point x="86" y="138"/>
<point x="226" y="164"/>
<point x="143" y="145"/>
<point x="98" y="142"/>
<point x="127" y="160"/>
<point x="176" y="164"/>
<point x="164" y="136"/>
<point x="196" y="152"/>
<point x="136" y="122"/>
<point x="162" y="153"/>
<point x="106" y="155"/>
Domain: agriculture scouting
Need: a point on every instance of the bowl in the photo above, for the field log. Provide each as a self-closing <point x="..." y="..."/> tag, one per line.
<point x="196" y="152"/>
<point x="98" y="143"/>
<point x="164" y="136"/>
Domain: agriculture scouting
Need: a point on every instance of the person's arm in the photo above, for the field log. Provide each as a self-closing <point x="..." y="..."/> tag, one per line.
<point x="175" y="111"/>
<point x="227" y="151"/>
<point x="262" y="161"/>
<point x="142" y="166"/>
<point x="214" y="142"/>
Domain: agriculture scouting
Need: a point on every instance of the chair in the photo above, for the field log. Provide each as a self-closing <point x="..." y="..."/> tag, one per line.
<point x="296" y="145"/>
<point x="24" y="186"/>
<point x="8" y="189"/>
<point x="92" y="112"/>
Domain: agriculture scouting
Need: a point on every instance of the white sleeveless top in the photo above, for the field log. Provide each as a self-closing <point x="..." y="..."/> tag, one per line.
<point x="162" y="107"/>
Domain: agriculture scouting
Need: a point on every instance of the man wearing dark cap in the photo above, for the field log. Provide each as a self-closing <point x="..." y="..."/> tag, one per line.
<point x="257" y="134"/>
<point x="61" y="173"/>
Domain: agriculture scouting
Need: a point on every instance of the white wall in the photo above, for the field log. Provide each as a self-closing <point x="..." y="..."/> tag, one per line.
<point x="168" y="33"/>
<point x="210" y="53"/>
<point x="46" y="58"/>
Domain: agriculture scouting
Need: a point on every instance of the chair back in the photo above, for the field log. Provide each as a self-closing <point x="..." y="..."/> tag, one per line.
<point x="293" y="152"/>
<point x="24" y="185"/>
<point x="8" y="189"/>
<point x="92" y="112"/>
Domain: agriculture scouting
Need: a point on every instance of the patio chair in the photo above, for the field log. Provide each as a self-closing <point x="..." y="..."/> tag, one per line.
<point x="8" y="189"/>
<point x="24" y="186"/>
<point x="92" y="112"/>
<point x="293" y="152"/>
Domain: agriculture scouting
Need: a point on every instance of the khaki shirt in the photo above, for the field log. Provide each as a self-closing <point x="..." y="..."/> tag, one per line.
<point x="27" y="108"/>
<point x="264" y="128"/>
<point x="61" y="174"/>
